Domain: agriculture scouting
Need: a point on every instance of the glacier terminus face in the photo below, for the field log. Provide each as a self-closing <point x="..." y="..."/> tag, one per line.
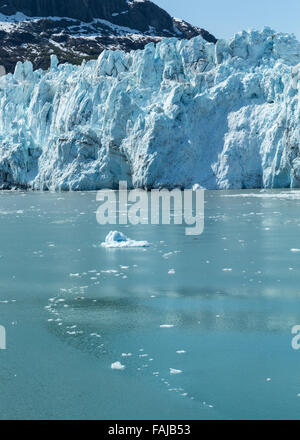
<point x="178" y="114"/>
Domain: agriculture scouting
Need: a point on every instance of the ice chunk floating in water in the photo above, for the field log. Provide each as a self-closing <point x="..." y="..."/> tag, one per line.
<point x="116" y="239"/>
<point x="117" y="366"/>
<point x="174" y="371"/>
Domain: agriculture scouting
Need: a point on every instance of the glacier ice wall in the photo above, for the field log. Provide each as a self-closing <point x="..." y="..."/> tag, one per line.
<point x="172" y="115"/>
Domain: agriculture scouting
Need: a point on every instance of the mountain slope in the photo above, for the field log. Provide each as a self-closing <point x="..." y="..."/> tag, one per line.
<point x="173" y="115"/>
<point x="81" y="29"/>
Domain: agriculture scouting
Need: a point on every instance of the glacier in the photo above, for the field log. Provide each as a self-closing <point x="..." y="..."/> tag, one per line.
<point x="178" y="114"/>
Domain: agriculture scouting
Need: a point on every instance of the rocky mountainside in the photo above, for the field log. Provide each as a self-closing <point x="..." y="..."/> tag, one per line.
<point x="81" y="29"/>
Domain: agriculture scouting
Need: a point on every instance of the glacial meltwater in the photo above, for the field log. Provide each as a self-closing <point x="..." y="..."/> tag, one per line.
<point x="191" y="327"/>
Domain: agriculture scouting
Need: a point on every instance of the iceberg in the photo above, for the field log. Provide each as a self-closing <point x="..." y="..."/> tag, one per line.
<point x="179" y="114"/>
<point x="174" y="371"/>
<point x="117" y="366"/>
<point x="116" y="239"/>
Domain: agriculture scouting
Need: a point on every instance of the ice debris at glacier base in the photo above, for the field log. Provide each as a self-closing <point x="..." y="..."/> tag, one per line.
<point x="178" y="114"/>
<point x="116" y="239"/>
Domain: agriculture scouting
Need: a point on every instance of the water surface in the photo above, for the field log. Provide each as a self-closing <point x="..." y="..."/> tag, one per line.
<point x="224" y="318"/>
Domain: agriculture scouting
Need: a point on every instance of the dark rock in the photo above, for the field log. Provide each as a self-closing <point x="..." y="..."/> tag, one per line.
<point x="85" y="28"/>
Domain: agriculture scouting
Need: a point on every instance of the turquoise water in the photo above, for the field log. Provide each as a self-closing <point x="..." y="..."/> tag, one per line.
<point x="72" y="308"/>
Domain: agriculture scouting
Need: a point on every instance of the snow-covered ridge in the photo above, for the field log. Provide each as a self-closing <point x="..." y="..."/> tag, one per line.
<point x="76" y="30"/>
<point x="11" y="22"/>
<point x="175" y="115"/>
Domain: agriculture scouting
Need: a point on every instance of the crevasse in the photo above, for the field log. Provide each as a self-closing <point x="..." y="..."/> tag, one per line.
<point x="177" y="114"/>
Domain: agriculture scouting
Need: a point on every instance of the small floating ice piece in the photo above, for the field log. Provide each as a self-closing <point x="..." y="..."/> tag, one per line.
<point x="166" y="325"/>
<point x="172" y="272"/>
<point x="116" y="239"/>
<point x="180" y="351"/>
<point x="173" y="371"/>
<point x="96" y="335"/>
<point x="295" y="250"/>
<point x="109" y="271"/>
<point x="117" y="366"/>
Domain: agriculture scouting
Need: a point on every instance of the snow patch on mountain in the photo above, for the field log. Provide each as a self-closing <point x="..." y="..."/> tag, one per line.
<point x="178" y="114"/>
<point x="32" y="30"/>
<point x="11" y="23"/>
